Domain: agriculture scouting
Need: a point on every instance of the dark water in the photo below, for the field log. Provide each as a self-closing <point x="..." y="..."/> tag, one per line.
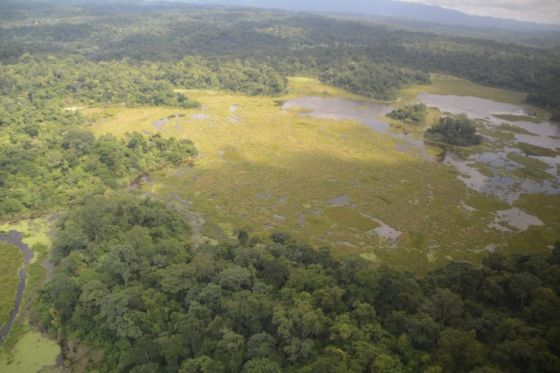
<point x="15" y="238"/>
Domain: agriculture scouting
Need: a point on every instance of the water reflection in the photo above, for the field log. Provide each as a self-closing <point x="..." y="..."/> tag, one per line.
<point x="501" y="183"/>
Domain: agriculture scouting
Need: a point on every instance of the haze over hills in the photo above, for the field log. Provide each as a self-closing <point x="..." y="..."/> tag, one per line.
<point x="389" y="8"/>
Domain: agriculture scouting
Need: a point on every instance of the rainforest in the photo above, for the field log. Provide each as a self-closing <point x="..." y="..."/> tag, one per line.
<point x="221" y="188"/>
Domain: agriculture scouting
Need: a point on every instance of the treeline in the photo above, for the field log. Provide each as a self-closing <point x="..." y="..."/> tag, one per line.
<point x="75" y="80"/>
<point x="365" y="58"/>
<point x="248" y="77"/>
<point x="128" y="283"/>
<point x="370" y="79"/>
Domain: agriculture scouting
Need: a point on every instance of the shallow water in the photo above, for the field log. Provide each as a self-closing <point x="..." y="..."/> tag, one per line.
<point x="342" y="109"/>
<point x="507" y="188"/>
<point x="504" y="187"/>
<point x="387" y="232"/>
<point x="514" y="218"/>
<point x="368" y="113"/>
<point x="473" y="107"/>
<point x="545" y="134"/>
<point x="340" y="201"/>
<point x="160" y="123"/>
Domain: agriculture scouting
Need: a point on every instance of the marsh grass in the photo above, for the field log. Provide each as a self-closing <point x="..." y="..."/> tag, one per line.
<point x="31" y="353"/>
<point x="276" y="163"/>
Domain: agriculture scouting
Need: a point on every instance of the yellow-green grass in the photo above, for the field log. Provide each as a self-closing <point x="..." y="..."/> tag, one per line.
<point x="31" y="353"/>
<point x="35" y="231"/>
<point x="11" y="261"/>
<point x="539" y="239"/>
<point x="276" y="171"/>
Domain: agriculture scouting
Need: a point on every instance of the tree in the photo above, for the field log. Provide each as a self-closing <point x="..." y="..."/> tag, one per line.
<point x="261" y="365"/>
<point x="458" y="130"/>
<point x="123" y="261"/>
<point x="460" y="351"/>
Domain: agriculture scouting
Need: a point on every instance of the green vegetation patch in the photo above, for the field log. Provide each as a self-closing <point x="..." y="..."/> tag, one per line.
<point x="11" y="261"/>
<point x="528" y="161"/>
<point x="458" y="130"/>
<point x="514" y="129"/>
<point x="537" y="151"/>
<point x="30" y="354"/>
<point x="414" y="114"/>
<point x="518" y="118"/>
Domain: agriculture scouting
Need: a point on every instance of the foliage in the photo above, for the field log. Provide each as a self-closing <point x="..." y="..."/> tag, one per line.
<point x="252" y="50"/>
<point x="126" y="280"/>
<point x="370" y="79"/>
<point x="9" y="267"/>
<point x="414" y="113"/>
<point x="458" y="130"/>
<point x="63" y="164"/>
<point x="48" y="157"/>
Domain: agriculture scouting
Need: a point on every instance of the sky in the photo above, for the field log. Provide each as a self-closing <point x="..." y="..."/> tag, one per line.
<point x="547" y="11"/>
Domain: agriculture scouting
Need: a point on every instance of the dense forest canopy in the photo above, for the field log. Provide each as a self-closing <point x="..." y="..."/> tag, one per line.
<point x="335" y="50"/>
<point x="128" y="282"/>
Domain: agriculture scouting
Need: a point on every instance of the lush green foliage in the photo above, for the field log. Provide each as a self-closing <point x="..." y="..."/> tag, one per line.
<point x="414" y="114"/>
<point x="78" y="81"/>
<point x="48" y="157"/>
<point x="370" y="79"/>
<point x="248" y="77"/>
<point x="367" y="58"/>
<point x="128" y="282"/>
<point x="61" y="164"/>
<point x="458" y="130"/>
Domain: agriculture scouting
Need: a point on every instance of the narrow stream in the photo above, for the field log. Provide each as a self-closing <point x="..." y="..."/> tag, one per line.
<point x="15" y="238"/>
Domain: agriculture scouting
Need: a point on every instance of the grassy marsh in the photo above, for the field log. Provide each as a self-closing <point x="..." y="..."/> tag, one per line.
<point x="276" y="170"/>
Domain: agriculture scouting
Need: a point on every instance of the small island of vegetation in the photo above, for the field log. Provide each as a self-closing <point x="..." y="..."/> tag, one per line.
<point x="459" y="131"/>
<point x="413" y="114"/>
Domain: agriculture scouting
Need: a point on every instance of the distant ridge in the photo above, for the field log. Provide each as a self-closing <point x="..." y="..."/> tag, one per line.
<point x="390" y="8"/>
